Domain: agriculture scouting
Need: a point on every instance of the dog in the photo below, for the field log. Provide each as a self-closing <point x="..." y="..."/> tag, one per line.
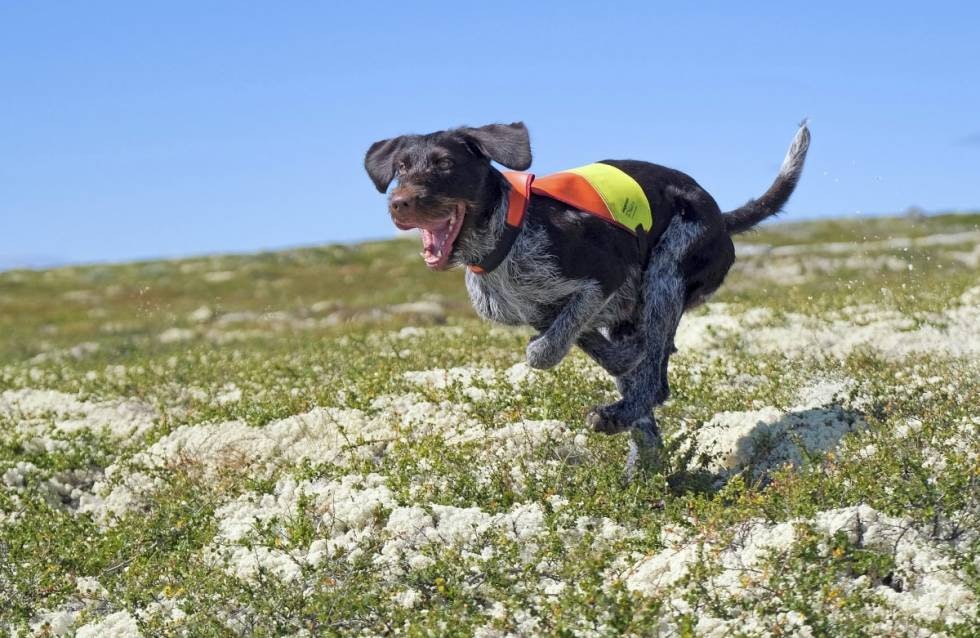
<point x="574" y="277"/>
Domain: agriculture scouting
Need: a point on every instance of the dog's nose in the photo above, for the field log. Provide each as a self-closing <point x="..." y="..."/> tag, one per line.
<point x="401" y="204"/>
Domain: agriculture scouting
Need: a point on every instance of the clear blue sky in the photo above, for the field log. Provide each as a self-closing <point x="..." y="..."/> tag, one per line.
<point x="139" y="129"/>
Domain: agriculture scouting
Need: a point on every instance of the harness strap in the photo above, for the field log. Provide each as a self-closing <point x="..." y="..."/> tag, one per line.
<point x="517" y="199"/>
<point x="570" y="188"/>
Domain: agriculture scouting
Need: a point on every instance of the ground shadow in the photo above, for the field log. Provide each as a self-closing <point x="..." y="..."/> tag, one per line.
<point x="705" y="458"/>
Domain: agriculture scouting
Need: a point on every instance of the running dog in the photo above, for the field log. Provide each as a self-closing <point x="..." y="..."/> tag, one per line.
<point x="607" y="257"/>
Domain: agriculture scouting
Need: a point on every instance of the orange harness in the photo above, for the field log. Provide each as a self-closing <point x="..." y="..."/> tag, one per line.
<point x="567" y="187"/>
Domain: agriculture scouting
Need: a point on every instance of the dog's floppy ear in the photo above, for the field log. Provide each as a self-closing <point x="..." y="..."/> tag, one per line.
<point x="506" y="144"/>
<point x="380" y="162"/>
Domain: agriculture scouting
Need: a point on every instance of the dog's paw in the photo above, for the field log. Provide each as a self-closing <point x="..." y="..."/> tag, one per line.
<point x="646" y="434"/>
<point x="542" y="353"/>
<point x="646" y="450"/>
<point x="607" y="420"/>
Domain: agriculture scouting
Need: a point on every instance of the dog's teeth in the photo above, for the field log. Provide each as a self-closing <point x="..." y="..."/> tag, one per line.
<point x="439" y="253"/>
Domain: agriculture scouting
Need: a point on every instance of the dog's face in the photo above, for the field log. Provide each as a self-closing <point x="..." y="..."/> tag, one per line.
<point x="446" y="182"/>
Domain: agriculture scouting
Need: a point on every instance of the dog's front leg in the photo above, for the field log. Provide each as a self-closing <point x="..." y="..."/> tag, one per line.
<point x="550" y="347"/>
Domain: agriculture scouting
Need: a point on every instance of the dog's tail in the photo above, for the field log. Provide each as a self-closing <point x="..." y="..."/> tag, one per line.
<point x="773" y="200"/>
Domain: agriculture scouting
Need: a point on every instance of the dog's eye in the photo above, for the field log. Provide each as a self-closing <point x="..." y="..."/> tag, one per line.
<point x="444" y="163"/>
<point x="402" y="168"/>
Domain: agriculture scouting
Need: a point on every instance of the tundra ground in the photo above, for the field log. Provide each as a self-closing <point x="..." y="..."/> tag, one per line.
<point x="326" y="442"/>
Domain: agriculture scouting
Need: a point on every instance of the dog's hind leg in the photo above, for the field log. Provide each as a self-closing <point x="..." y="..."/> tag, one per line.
<point x="617" y="356"/>
<point x="663" y="302"/>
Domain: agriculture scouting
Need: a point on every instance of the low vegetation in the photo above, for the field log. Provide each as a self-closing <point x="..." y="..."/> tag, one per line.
<point x="326" y="441"/>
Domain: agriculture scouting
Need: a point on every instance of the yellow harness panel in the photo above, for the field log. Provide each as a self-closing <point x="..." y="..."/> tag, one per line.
<point x="623" y="196"/>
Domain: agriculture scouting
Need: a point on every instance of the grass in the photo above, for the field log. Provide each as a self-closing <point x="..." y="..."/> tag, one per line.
<point x="287" y="473"/>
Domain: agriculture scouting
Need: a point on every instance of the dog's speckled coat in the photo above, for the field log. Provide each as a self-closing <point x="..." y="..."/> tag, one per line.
<point x="576" y="278"/>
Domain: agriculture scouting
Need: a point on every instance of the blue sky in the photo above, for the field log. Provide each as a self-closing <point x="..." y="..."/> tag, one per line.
<point x="141" y="129"/>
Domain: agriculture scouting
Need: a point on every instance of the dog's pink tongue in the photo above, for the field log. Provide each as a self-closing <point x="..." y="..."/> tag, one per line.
<point x="432" y="240"/>
<point x="434" y="244"/>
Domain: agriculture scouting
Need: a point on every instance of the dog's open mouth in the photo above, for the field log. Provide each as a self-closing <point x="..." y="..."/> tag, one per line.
<point x="438" y="237"/>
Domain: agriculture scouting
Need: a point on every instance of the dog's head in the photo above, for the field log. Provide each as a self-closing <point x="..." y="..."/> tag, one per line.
<point x="447" y="187"/>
